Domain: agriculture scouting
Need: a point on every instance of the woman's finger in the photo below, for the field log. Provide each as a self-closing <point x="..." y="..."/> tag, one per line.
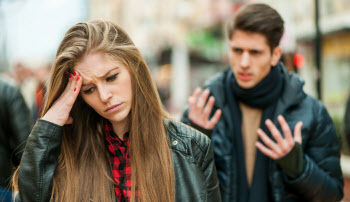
<point x="69" y="121"/>
<point x="60" y="110"/>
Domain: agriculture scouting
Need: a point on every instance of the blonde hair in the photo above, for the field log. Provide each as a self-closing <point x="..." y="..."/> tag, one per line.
<point x="83" y="156"/>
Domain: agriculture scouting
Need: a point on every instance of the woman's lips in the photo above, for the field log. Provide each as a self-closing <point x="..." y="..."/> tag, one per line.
<point x="245" y="77"/>
<point x="113" y="108"/>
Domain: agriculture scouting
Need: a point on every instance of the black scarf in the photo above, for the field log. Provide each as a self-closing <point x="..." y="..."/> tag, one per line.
<point x="264" y="96"/>
<point x="264" y="93"/>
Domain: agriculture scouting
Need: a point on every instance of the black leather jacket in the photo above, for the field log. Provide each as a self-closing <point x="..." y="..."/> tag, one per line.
<point x="192" y="154"/>
<point x="15" y="124"/>
<point x="321" y="179"/>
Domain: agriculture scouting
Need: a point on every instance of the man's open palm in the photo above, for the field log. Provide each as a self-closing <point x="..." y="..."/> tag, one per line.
<point x="200" y="108"/>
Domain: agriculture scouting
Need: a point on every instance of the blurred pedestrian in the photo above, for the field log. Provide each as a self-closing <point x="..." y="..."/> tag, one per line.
<point x="41" y="75"/>
<point x="271" y="141"/>
<point x="347" y="122"/>
<point x="15" y="123"/>
<point x="21" y="73"/>
<point x="104" y="135"/>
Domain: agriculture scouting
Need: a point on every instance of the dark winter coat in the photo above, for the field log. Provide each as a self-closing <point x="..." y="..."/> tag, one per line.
<point x="15" y="125"/>
<point x="321" y="179"/>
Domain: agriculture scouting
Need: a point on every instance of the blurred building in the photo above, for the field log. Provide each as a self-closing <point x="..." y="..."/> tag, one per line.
<point x="190" y="36"/>
<point x="171" y="32"/>
<point x="335" y="30"/>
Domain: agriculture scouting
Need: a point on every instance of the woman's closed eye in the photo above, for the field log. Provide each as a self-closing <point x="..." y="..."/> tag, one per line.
<point x="108" y="79"/>
<point x="112" y="78"/>
<point x="88" y="91"/>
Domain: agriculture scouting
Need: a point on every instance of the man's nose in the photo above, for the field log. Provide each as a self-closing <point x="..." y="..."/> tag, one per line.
<point x="245" y="60"/>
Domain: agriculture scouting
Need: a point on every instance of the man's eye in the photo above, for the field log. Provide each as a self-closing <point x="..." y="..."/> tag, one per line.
<point x="237" y="50"/>
<point x="88" y="91"/>
<point x="112" y="78"/>
<point x="255" y="52"/>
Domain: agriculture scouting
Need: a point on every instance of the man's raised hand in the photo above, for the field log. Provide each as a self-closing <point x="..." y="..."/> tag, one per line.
<point x="200" y="108"/>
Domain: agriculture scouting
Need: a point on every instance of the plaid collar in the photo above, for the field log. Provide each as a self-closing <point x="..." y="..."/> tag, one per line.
<point x="120" y="161"/>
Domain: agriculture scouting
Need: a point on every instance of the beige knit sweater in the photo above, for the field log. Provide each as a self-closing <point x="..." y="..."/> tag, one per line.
<point x="250" y="123"/>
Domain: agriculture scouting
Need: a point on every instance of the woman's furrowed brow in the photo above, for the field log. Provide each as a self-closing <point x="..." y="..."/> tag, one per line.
<point x="109" y="71"/>
<point x="103" y="76"/>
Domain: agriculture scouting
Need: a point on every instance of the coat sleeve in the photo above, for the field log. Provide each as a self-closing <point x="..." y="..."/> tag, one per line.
<point x="209" y="169"/>
<point x="184" y="118"/>
<point x="19" y="123"/>
<point x="322" y="178"/>
<point x="39" y="162"/>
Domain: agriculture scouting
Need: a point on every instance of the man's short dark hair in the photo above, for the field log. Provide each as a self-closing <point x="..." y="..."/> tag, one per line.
<point x="258" y="18"/>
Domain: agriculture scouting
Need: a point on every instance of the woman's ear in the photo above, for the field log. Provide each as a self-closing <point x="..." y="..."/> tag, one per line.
<point x="276" y="55"/>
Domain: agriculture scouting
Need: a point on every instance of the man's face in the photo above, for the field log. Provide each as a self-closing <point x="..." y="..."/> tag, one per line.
<point x="251" y="58"/>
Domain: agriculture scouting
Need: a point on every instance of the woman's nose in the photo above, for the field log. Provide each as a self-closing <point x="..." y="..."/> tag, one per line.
<point x="105" y="94"/>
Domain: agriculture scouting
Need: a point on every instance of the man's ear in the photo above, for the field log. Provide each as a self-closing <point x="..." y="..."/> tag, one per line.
<point x="276" y="55"/>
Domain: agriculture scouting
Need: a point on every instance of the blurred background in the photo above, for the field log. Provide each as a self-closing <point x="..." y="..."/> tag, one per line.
<point x="183" y="43"/>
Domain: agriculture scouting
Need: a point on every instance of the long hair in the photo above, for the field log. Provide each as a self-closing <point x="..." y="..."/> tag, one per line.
<point x="83" y="156"/>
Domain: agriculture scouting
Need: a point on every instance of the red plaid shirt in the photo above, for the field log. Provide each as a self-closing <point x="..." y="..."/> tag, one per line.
<point x="120" y="161"/>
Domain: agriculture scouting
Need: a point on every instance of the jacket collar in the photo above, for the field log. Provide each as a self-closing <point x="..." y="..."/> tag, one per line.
<point x="292" y="93"/>
<point x="177" y="133"/>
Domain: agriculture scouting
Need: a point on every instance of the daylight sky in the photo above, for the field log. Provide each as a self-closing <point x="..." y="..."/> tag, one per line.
<point x="34" y="28"/>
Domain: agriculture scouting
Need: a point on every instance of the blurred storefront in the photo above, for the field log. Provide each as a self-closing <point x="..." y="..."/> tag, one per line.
<point x="183" y="36"/>
<point x="194" y="31"/>
<point x="335" y="29"/>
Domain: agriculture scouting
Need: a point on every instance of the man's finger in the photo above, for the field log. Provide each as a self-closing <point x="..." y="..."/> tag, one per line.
<point x="214" y="119"/>
<point x="196" y="93"/>
<point x="203" y="99"/>
<point x="285" y="128"/>
<point x="297" y="132"/>
<point x="192" y="100"/>
<point x="208" y="107"/>
<point x="274" y="131"/>
<point x="268" y="142"/>
<point x="266" y="151"/>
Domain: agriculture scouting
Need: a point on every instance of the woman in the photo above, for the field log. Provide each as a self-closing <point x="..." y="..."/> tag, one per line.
<point x="103" y="135"/>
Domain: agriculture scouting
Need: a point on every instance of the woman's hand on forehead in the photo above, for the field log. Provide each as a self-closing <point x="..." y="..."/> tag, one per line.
<point x="59" y="112"/>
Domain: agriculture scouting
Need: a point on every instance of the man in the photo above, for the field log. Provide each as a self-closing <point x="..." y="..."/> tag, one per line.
<point x="253" y="107"/>
<point x="15" y="126"/>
